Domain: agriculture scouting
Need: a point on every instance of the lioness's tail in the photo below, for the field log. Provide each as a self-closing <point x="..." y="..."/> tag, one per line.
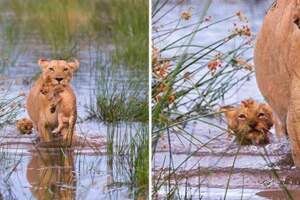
<point x="24" y="126"/>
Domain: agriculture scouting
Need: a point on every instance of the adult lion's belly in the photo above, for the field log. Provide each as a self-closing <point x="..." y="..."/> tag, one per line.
<point x="272" y="60"/>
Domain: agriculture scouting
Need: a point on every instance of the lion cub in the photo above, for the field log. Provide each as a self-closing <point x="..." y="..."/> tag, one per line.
<point x="24" y="126"/>
<point x="59" y="103"/>
<point x="250" y="122"/>
<point x="52" y="93"/>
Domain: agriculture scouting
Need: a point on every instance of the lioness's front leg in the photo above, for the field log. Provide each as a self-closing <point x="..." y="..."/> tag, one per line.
<point x="43" y="131"/>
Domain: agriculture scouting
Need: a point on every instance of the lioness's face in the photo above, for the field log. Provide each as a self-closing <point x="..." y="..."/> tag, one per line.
<point x="58" y="71"/>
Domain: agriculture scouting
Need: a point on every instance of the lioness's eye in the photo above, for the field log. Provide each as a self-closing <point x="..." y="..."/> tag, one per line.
<point x="261" y="115"/>
<point x="242" y="116"/>
<point x="51" y="69"/>
<point x="65" y="69"/>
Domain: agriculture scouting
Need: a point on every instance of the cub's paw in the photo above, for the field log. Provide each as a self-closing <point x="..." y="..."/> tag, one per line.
<point x="56" y="131"/>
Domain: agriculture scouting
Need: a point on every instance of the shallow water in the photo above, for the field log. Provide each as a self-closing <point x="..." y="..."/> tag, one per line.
<point x="205" y="159"/>
<point x="54" y="173"/>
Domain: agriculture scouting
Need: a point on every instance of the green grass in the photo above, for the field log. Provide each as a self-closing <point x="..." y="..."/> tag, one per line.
<point x="66" y="26"/>
<point x="128" y="148"/>
<point x="118" y="108"/>
<point x="185" y="89"/>
<point x="127" y="23"/>
<point x="122" y="94"/>
<point x="66" y="29"/>
<point x="58" y="24"/>
<point x="202" y="90"/>
<point x="121" y="101"/>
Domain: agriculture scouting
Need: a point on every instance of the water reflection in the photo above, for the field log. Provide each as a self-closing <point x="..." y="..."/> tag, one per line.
<point x="51" y="174"/>
<point x="279" y="195"/>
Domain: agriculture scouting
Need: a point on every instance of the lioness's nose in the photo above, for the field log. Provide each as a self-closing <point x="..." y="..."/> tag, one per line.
<point x="59" y="79"/>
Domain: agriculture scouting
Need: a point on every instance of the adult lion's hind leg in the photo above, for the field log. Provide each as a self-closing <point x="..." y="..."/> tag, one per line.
<point x="293" y="121"/>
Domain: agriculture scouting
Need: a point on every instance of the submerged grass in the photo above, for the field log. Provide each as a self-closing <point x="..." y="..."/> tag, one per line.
<point x="10" y="107"/>
<point x="128" y="146"/>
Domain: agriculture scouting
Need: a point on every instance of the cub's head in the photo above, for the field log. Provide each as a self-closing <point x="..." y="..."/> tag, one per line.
<point x="249" y="117"/>
<point x="58" y="71"/>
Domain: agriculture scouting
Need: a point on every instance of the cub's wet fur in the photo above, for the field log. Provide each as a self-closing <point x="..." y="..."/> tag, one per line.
<point x="52" y="91"/>
<point x="24" y="126"/>
<point x="250" y="122"/>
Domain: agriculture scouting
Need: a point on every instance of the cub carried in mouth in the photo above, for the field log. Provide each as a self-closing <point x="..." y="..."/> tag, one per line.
<point x="250" y="122"/>
<point x="52" y="93"/>
<point x="58" y="96"/>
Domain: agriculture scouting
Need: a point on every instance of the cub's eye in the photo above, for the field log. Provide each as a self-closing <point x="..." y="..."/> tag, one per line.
<point x="66" y="69"/>
<point x="242" y="116"/>
<point x="51" y="69"/>
<point x="260" y="115"/>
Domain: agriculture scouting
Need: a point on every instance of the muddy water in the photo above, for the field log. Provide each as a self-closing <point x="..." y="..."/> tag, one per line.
<point x="33" y="172"/>
<point x="208" y="164"/>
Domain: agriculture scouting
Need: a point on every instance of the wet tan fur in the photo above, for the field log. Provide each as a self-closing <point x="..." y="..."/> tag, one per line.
<point x="277" y="64"/>
<point x="39" y="105"/>
<point x="250" y="122"/>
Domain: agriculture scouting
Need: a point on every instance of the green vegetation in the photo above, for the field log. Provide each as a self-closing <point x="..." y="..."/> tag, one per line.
<point x="190" y="79"/>
<point x="65" y="26"/>
<point x="10" y="108"/>
<point x="120" y="99"/>
<point x="110" y="36"/>
<point x="128" y="29"/>
<point x="130" y="146"/>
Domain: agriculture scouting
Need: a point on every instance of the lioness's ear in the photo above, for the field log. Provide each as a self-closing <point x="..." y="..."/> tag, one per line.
<point x="74" y="65"/>
<point x="43" y="63"/>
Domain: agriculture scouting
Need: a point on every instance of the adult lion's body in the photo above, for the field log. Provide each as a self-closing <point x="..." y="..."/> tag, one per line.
<point x="45" y="119"/>
<point x="277" y="63"/>
<point x="39" y="110"/>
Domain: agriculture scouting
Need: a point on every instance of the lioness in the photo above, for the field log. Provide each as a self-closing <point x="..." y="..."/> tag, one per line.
<point x="46" y="119"/>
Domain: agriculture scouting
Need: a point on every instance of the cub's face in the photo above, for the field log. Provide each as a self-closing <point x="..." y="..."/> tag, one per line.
<point x="249" y="116"/>
<point x="58" y="71"/>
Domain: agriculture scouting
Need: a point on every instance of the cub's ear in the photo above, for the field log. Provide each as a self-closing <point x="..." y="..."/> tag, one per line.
<point x="267" y="108"/>
<point x="43" y="63"/>
<point x="229" y="111"/>
<point x="74" y="65"/>
<point x="226" y="108"/>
